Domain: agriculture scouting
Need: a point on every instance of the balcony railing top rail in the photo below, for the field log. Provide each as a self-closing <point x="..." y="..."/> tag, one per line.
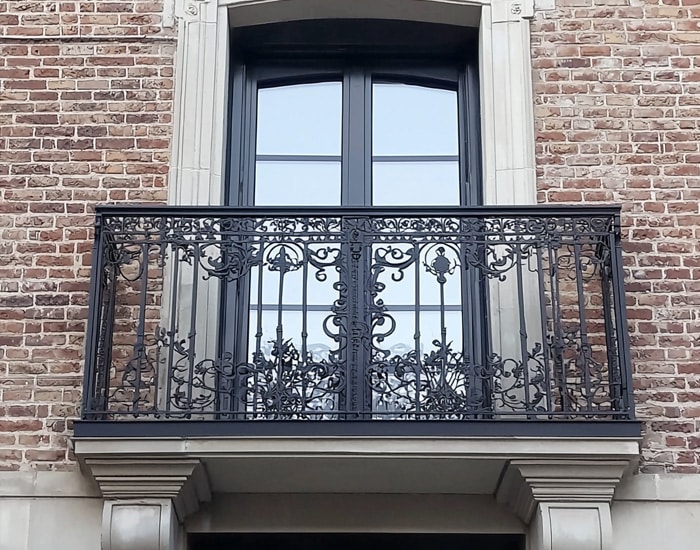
<point x="332" y="314"/>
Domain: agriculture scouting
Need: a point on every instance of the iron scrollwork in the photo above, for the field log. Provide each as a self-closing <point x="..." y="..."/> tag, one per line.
<point x="234" y="315"/>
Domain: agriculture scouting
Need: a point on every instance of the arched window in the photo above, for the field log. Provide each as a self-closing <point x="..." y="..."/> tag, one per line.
<point x="354" y="112"/>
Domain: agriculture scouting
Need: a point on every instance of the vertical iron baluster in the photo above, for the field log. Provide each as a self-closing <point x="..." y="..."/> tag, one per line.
<point x="583" y="322"/>
<point x="621" y="326"/>
<point x="258" y="359"/>
<point x="107" y="328"/>
<point x="358" y="324"/>
<point x="443" y="340"/>
<point x="524" y="355"/>
<point x="140" y="346"/>
<point x="341" y="310"/>
<point x="546" y="352"/>
<point x="471" y="309"/>
<point x="468" y="379"/>
<point x="192" y="335"/>
<point x="95" y="384"/>
<point x="557" y="326"/>
<point x="416" y="334"/>
<point x="304" y="321"/>
<point x="279" y="332"/>
<point x="173" y="328"/>
<point x="611" y="346"/>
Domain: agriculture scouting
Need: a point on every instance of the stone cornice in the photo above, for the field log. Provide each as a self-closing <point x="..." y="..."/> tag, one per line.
<point x="182" y="480"/>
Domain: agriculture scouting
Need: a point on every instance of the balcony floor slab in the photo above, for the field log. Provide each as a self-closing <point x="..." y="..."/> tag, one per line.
<point x="337" y="464"/>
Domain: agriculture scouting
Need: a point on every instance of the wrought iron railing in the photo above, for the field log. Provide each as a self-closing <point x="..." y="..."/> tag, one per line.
<point x="239" y="314"/>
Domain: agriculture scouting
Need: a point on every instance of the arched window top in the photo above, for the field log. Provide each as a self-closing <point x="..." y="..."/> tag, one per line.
<point x="254" y="12"/>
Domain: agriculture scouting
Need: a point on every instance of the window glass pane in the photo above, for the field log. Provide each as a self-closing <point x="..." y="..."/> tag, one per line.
<point x="415" y="183"/>
<point x="414" y="120"/>
<point x="303" y="119"/>
<point x="300" y="183"/>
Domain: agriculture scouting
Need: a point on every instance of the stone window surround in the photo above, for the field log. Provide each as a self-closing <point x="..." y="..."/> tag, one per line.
<point x="205" y="27"/>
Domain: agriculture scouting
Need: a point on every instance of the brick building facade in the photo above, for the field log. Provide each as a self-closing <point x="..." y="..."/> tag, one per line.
<point x="87" y="119"/>
<point x="87" y="102"/>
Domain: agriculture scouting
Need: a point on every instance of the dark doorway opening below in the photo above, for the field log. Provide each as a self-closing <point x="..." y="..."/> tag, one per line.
<point x="354" y="541"/>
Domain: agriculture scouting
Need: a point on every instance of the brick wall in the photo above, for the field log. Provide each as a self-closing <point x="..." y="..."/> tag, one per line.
<point x="617" y="86"/>
<point x="85" y="117"/>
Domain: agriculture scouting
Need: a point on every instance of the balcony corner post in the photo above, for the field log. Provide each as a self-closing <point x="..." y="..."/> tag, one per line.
<point x="565" y="502"/>
<point x="94" y="318"/>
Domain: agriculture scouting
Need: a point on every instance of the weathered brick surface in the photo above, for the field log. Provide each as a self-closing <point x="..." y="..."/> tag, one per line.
<point x="96" y="18"/>
<point x="85" y="117"/>
<point x="617" y="86"/>
<point x="82" y="121"/>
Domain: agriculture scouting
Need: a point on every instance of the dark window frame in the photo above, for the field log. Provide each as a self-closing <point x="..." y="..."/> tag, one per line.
<point x="443" y="56"/>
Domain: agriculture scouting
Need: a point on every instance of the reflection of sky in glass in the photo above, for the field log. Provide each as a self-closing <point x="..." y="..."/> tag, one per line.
<point x="419" y="121"/>
<point x="413" y="120"/>
<point x="300" y="183"/>
<point x="303" y="119"/>
<point x="306" y="119"/>
<point x="415" y="183"/>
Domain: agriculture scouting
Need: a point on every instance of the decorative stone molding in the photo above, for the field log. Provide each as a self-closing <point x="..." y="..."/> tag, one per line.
<point x="512" y="10"/>
<point x="566" y="502"/>
<point x="147" y="500"/>
<point x="447" y="464"/>
<point x="178" y="480"/>
<point x="508" y="132"/>
<point x="200" y="103"/>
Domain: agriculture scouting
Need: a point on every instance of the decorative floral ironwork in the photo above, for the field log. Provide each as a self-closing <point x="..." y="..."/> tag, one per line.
<point x="238" y="315"/>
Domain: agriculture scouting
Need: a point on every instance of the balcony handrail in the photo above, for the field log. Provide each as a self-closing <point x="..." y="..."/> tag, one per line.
<point x="371" y="211"/>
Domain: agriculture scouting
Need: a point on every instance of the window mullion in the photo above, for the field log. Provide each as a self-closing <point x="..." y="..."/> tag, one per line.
<point x="356" y="137"/>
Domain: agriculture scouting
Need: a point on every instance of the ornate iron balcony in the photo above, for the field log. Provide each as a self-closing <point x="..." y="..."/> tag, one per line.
<point x="442" y="314"/>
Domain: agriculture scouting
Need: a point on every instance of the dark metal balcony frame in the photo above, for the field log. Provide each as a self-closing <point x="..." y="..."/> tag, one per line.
<point x="543" y="411"/>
